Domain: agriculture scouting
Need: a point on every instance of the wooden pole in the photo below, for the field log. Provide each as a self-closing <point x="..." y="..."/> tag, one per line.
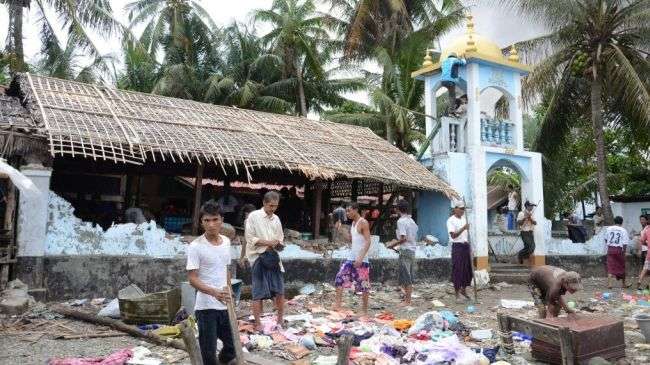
<point x="191" y="343"/>
<point x="10" y="206"/>
<point x="120" y="326"/>
<point x="318" y="201"/>
<point x="198" y="187"/>
<point x="232" y="318"/>
<point x="344" y="345"/>
<point x="355" y="190"/>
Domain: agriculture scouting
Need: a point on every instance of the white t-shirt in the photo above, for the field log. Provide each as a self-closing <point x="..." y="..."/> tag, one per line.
<point x="406" y="226"/>
<point x="616" y="236"/>
<point x="527" y="226"/>
<point x="454" y="225"/>
<point x="512" y="200"/>
<point x="210" y="261"/>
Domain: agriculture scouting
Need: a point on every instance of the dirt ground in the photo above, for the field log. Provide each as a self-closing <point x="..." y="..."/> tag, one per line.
<point x="32" y="339"/>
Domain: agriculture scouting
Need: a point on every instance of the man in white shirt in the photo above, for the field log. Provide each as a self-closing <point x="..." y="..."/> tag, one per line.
<point x="407" y="233"/>
<point x="527" y="225"/>
<point x="513" y="202"/>
<point x="207" y="260"/>
<point x="461" y="259"/>
<point x="616" y="239"/>
<point x="264" y="238"/>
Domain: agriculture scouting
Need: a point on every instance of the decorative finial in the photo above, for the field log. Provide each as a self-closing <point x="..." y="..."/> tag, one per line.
<point x="471" y="45"/>
<point x="514" y="56"/>
<point x="428" y="61"/>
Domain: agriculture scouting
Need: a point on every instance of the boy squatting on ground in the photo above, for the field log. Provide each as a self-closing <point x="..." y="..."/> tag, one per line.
<point x="207" y="260"/>
<point x="548" y="284"/>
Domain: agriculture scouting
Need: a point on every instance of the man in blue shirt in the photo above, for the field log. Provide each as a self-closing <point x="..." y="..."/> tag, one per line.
<point x="449" y="77"/>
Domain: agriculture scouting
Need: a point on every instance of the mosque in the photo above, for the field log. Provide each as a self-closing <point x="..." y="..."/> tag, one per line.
<point x="467" y="147"/>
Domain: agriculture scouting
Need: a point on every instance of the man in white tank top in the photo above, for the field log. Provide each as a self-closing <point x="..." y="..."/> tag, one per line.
<point x="355" y="270"/>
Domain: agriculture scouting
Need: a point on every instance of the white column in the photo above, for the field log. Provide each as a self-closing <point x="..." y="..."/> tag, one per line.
<point x="516" y="113"/>
<point x="476" y="168"/>
<point x="537" y="195"/>
<point x="32" y="212"/>
<point x="429" y="109"/>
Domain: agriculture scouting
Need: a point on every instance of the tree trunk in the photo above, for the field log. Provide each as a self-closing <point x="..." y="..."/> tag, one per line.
<point x="15" y="37"/>
<point x="601" y="157"/>
<point x="301" y="93"/>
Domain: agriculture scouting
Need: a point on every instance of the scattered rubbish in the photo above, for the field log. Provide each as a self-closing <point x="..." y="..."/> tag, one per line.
<point x="571" y="304"/>
<point x="111" y="310"/>
<point x="142" y="356"/>
<point x="119" y="357"/>
<point x="402" y="324"/>
<point x="643" y="320"/>
<point x="78" y="302"/>
<point x="516" y="304"/>
<point x="482" y="278"/>
<point x="262" y="342"/>
<point x="308" y="342"/>
<point x="15" y="299"/>
<point x="308" y="289"/>
<point x="481" y="334"/>
<point x="427" y="322"/>
<point x="98" y="301"/>
<point x="437" y="303"/>
<point x="470" y="309"/>
<point x="325" y="360"/>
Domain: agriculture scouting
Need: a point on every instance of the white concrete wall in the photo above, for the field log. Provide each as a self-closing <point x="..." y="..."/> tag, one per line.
<point x="32" y="212"/>
<point x="630" y="213"/>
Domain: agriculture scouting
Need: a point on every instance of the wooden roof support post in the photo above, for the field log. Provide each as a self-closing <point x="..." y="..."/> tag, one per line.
<point x="355" y="190"/>
<point x="318" y="201"/>
<point x="198" y="187"/>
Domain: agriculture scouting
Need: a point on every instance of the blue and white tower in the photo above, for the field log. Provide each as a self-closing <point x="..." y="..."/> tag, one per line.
<point x="466" y="147"/>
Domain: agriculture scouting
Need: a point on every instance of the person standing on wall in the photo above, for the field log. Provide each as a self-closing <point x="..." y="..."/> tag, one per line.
<point x="461" y="259"/>
<point x="513" y="203"/>
<point x="208" y="257"/>
<point x="355" y="270"/>
<point x="616" y="239"/>
<point x="264" y="238"/>
<point x="407" y="233"/>
<point x="449" y="78"/>
<point x="527" y="225"/>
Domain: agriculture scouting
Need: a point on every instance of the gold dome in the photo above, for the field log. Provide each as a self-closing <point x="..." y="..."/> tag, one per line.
<point x="483" y="46"/>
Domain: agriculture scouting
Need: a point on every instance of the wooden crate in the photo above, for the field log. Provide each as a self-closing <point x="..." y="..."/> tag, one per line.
<point x="160" y="307"/>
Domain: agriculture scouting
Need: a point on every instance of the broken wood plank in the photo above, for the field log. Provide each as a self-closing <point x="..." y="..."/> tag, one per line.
<point x="191" y="343"/>
<point x="90" y="335"/>
<point x="538" y="330"/>
<point x="345" y="346"/>
<point x="232" y="318"/>
<point x="120" y="326"/>
<point x="566" y="346"/>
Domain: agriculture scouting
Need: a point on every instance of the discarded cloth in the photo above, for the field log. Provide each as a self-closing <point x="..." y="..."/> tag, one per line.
<point x="427" y="322"/>
<point x="116" y="358"/>
<point x="402" y="324"/>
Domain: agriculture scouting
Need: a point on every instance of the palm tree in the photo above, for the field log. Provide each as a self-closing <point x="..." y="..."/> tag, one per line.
<point x="598" y="46"/>
<point x="67" y="63"/>
<point x="297" y="35"/>
<point x="246" y="71"/>
<point x="188" y="38"/>
<point x="140" y="71"/>
<point x="382" y="30"/>
<point x="77" y="16"/>
<point x="396" y="100"/>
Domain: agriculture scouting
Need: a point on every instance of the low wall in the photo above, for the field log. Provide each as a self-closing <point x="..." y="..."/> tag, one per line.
<point x="74" y="277"/>
<point x="69" y="277"/>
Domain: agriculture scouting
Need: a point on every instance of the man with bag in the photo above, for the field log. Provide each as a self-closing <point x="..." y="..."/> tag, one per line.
<point x="264" y="238"/>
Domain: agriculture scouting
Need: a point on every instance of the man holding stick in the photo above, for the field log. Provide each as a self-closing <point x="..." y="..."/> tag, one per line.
<point x="461" y="260"/>
<point x="208" y="257"/>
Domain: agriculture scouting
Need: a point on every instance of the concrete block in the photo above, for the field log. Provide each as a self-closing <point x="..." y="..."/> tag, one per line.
<point x="14" y="305"/>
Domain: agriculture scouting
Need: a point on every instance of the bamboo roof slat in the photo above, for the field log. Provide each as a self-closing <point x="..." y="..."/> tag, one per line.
<point x="131" y="127"/>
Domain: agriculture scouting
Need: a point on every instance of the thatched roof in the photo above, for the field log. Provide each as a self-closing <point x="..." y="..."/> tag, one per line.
<point x="17" y="128"/>
<point x="104" y="123"/>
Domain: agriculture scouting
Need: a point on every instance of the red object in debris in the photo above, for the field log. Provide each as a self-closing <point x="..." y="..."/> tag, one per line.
<point x="592" y="336"/>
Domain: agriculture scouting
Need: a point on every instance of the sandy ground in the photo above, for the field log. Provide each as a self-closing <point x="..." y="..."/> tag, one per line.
<point x="37" y="345"/>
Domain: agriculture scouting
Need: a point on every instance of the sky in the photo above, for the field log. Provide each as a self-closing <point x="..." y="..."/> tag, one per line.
<point x="500" y="25"/>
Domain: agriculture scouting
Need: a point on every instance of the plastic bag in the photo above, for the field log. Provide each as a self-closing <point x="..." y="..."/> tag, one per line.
<point x="427" y="322"/>
<point x="111" y="310"/>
